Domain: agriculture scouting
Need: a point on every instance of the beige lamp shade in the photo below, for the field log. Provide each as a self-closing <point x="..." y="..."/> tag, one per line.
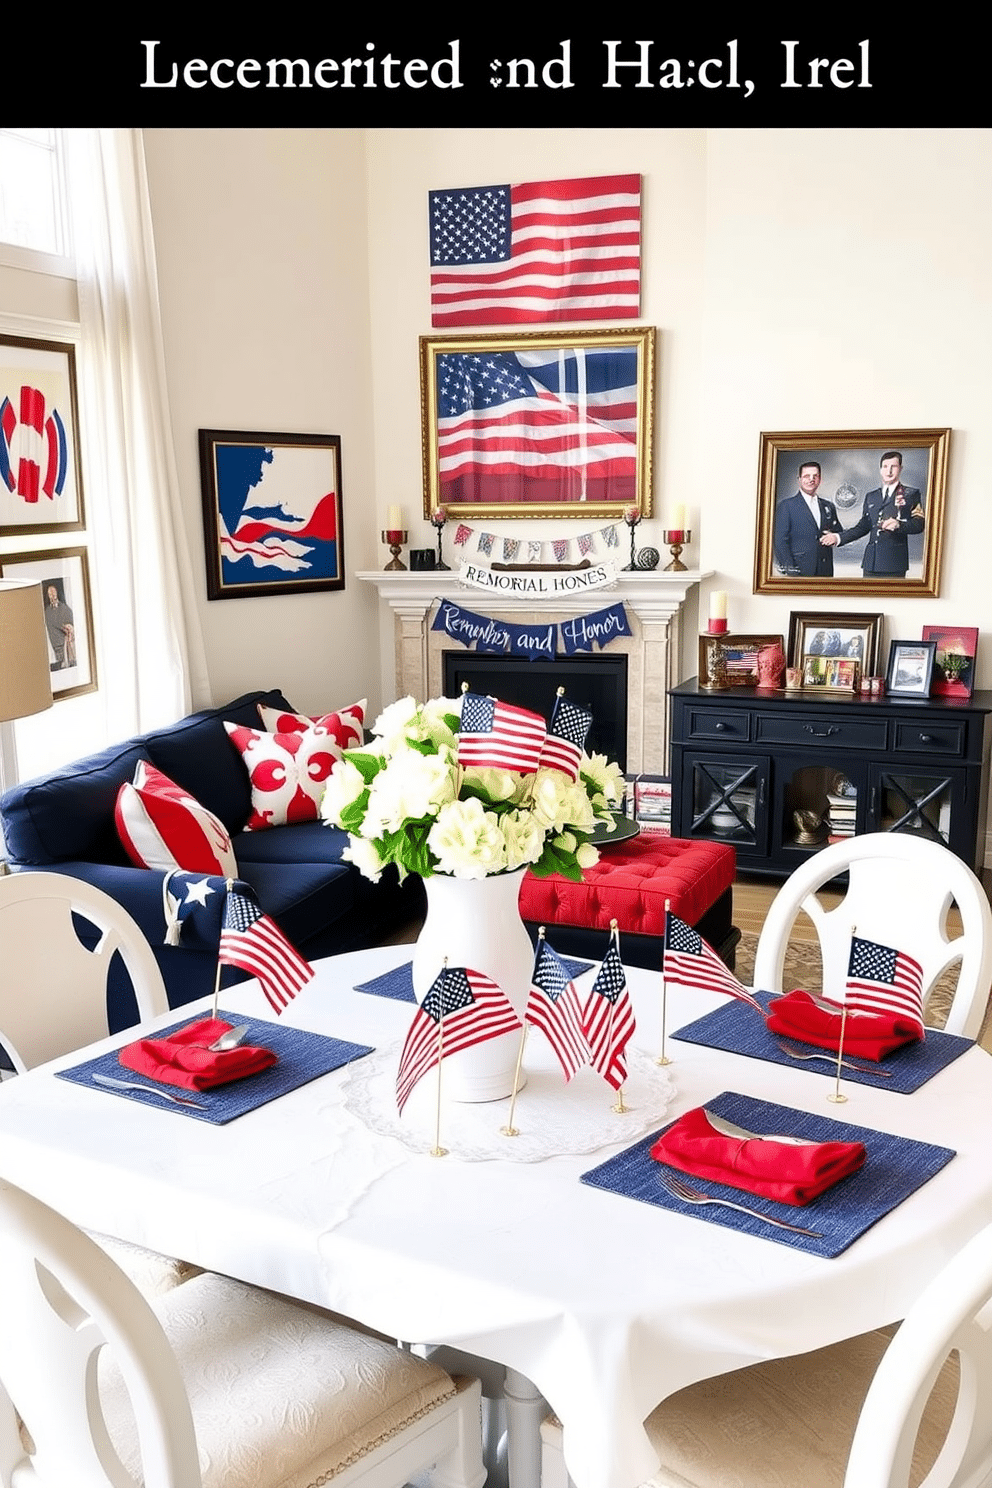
<point x="25" y="677"/>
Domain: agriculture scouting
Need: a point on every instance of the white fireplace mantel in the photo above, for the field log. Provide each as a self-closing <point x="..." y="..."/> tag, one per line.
<point x="653" y="601"/>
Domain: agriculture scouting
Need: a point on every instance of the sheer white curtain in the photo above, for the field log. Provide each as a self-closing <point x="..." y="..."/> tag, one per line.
<point x="149" y="638"/>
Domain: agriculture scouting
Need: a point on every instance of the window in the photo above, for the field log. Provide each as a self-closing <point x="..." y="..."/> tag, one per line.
<point x="33" y="218"/>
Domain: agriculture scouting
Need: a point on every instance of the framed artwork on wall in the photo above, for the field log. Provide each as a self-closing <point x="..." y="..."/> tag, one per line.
<point x="955" y="659"/>
<point x="64" y="576"/>
<point x="41" y="488"/>
<point x="853" y="637"/>
<point x="538" y="424"/>
<point x="851" y="512"/>
<point x="272" y="513"/>
<point x="732" y="660"/>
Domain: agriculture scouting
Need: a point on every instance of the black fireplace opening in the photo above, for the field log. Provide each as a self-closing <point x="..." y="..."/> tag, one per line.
<point x="598" y="683"/>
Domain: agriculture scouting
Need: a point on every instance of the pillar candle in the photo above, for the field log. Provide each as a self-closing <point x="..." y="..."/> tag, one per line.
<point x="677" y="523"/>
<point x="718" y="604"/>
<point x="394" y="519"/>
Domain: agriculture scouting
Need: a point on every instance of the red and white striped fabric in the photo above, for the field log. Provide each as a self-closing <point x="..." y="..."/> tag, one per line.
<point x="346" y="726"/>
<point x="160" y="825"/>
<point x="287" y="773"/>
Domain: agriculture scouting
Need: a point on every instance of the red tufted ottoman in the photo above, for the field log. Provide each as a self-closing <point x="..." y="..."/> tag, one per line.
<point x="630" y="884"/>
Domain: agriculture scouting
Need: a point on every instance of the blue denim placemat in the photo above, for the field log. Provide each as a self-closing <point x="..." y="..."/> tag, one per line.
<point x="303" y="1057"/>
<point x="398" y="983"/>
<point x="737" y="1028"/>
<point x="894" y="1168"/>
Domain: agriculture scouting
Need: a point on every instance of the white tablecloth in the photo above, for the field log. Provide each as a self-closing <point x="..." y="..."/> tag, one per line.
<point x="607" y="1305"/>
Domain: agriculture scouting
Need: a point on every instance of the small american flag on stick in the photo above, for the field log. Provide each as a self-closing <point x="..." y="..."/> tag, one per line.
<point x="882" y="980"/>
<point x="566" y="738"/>
<point x="608" y="1019"/>
<point x="251" y="940"/>
<point x="472" y="1008"/>
<point x="554" y="1007"/>
<point x="499" y="736"/>
<point x="689" y="962"/>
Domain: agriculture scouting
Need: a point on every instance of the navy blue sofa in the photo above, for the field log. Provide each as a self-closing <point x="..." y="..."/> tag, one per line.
<point x="64" y="823"/>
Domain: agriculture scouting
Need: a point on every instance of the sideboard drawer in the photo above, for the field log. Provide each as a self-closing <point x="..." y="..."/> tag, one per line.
<point x="822" y="732"/>
<point x="932" y="738"/>
<point x="730" y="724"/>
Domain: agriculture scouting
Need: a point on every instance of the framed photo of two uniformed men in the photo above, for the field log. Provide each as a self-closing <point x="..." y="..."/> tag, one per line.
<point x="851" y="512"/>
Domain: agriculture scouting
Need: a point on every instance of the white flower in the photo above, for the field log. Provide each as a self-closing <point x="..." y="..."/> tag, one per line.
<point x="587" y="855"/>
<point x="392" y="722"/>
<point x="523" y="836"/>
<point x="365" y="856"/>
<point x="548" y="798"/>
<point x="499" y="785"/>
<point x="412" y="786"/>
<point x="344" y="785"/>
<point x="606" y="775"/>
<point x="467" y="841"/>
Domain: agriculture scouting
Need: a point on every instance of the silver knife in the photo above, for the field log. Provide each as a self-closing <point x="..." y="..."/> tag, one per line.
<point x="728" y="1129"/>
<point x="177" y="1100"/>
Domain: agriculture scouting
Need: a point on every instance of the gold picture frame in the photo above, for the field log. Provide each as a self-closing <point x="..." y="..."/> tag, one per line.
<point x="888" y="532"/>
<point x="538" y="424"/>
<point x="732" y="660"/>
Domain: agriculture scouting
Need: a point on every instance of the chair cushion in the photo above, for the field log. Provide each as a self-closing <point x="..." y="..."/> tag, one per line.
<point x="631" y="882"/>
<point x="163" y="826"/>
<point x="287" y="773"/>
<point x="280" y="1393"/>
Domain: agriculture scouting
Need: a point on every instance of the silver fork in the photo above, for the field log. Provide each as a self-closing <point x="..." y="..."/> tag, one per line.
<point x="862" y="1069"/>
<point x="689" y="1195"/>
<point x="177" y="1100"/>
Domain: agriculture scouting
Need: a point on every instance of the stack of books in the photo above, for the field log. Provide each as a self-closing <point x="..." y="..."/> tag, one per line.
<point x="842" y="810"/>
<point x="653" y="803"/>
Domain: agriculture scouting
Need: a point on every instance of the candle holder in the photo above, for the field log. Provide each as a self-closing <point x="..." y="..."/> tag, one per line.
<point x="395" y="538"/>
<point x="676" y="538"/>
<point x="633" y="519"/>
<point x="716" y="627"/>
<point x="438" y="519"/>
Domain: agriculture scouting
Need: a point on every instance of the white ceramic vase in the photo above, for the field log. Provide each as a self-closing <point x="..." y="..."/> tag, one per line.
<point x="475" y="923"/>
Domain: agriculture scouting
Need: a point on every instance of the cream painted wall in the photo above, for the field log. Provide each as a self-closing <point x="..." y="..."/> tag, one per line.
<point x="263" y="277"/>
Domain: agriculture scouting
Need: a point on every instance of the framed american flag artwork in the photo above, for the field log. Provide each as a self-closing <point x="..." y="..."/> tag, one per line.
<point x="41" y="487"/>
<point x="539" y="424"/>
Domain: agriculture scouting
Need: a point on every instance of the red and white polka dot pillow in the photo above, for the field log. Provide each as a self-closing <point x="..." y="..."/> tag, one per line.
<point x="346" y="726"/>
<point x="160" y="825"/>
<point x="287" y="773"/>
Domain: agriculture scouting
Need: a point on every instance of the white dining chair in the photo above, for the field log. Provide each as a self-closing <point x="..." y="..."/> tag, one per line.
<point x="899" y="893"/>
<point x="53" y="998"/>
<point x="216" y="1385"/>
<point x="905" y="1409"/>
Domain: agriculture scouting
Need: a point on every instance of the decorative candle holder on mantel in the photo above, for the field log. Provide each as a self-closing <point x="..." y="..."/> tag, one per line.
<point x="395" y="537"/>
<point x="677" y="538"/>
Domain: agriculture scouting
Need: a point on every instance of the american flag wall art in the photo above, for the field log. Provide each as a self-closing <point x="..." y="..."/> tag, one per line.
<point x="535" y="253"/>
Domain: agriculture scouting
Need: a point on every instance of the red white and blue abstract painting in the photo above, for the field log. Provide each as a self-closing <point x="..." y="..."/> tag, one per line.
<point x="40" y="485"/>
<point x="272" y="514"/>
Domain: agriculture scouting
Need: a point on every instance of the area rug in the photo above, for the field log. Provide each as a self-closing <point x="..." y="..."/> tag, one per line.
<point x="802" y="969"/>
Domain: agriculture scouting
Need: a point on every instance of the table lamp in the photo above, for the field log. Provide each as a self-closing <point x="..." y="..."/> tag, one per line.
<point x="25" y="675"/>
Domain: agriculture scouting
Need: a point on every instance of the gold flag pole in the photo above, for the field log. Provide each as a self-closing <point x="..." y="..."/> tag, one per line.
<point x="620" y="1108"/>
<point x="509" y="1130"/>
<point x="663" y="1057"/>
<point x="437" y="1150"/>
<point x="838" y="1098"/>
<point x="230" y="886"/>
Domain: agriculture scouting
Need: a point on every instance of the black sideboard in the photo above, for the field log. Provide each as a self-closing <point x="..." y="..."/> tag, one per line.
<point x="779" y="775"/>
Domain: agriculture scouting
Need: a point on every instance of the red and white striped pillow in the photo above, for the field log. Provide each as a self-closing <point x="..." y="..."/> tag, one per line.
<point x="287" y="773"/>
<point x="346" y="726"/>
<point x="160" y="825"/>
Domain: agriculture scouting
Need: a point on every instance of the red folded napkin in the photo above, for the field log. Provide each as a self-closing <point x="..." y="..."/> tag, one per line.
<point x="871" y="1035"/>
<point x="184" y="1059"/>
<point x="776" y="1170"/>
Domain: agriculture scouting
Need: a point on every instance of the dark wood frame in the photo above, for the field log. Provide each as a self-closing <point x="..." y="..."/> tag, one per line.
<point x="44" y="559"/>
<point x="753" y="643"/>
<point x="801" y="622"/>
<point x="849" y="459"/>
<point x="59" y="391"/>
<point x="210" y="440"/>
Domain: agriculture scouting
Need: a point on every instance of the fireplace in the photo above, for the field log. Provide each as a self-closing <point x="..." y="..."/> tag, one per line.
<point x="650" y="655"/>
<point x="598" y="683"/>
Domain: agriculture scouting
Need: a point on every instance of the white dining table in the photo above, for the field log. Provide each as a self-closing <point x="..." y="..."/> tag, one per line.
<point x="604" y="1304"/>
